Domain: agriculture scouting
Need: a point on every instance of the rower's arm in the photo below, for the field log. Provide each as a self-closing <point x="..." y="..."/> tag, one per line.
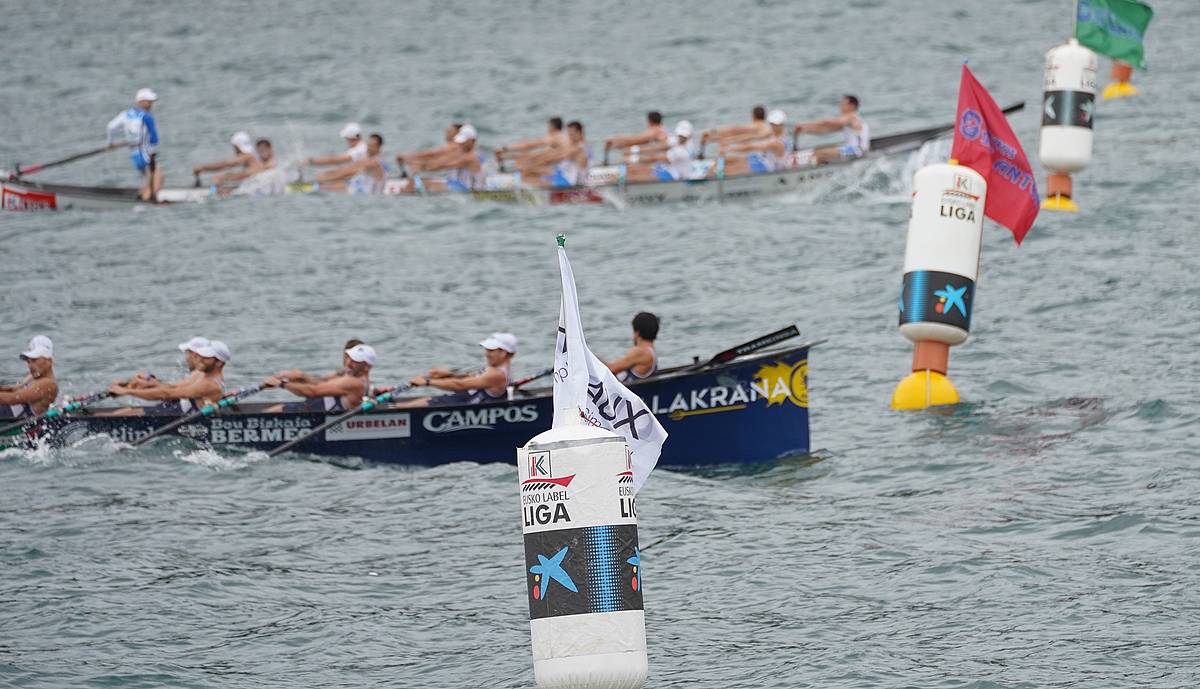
<point x="342" y="386"/>
<point x="35" y="392"/>
<point x="446" y="161"/>
<point x="636" y="356"/>
<point x="831" y="124"/>
<point x="219" y="165"/>
<point x="115" y="127"/>
<point x="344" y="172"/>
<point x="336" y="159"/>
<point x="488" y="379"/>
<point x="527" y="145"/>
<point x="631" y="140"/>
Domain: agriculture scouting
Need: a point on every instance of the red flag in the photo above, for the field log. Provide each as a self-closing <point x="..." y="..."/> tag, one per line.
<point x="984" y="142"/>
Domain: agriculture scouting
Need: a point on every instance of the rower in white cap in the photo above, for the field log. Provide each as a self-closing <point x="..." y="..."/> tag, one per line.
<point x="449" y="146"/>
<point x="341" y="392"/>
<point x="356" y="148"/>
<point x="730" y="134"/>
<point x="204" y="385"/>
<point x="464" y="163"/>
<point x="35" y="392"/>
<point x="244" y="156"/>
<point x="766" y="155"/>
<point x="473" y="388"/>
<point x="135" y="128"/>
<point x="665" y="162"/>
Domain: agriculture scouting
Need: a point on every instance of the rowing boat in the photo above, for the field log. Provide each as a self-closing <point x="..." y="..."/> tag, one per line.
<point x="601" y="185"/>
<point x="751" y="409"/>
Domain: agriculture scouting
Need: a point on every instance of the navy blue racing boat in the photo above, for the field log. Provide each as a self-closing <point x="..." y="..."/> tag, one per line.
<point x="751" y="409"/>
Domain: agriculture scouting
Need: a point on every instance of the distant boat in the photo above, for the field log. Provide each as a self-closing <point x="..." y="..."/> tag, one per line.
<point x="602" y="184"/>
<point x="751" y="409"/>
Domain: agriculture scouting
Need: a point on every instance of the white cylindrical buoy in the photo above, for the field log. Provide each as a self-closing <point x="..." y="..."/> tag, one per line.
<point x="941" y="264"/>
<point x="1065" y="142"/>
<point x="582" y="561"/>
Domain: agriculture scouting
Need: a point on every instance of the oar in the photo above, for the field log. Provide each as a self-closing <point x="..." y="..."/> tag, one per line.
<point x="367" y="405"/>
<point x="53" y="412"/>
<point x="929" y="132"/>
<point x="751" y="346"/>
<point x="206" y="410"/>
<point x="55" y="163"/>
<point x="540" y="374"/>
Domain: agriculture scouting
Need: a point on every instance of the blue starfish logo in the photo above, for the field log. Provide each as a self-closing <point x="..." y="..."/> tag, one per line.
<point x="954" y="299"/>
<point x="550" y="569"/>
<point x="636" y="561"/>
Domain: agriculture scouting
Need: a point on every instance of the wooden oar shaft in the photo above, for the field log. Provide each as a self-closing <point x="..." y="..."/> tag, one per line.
<point x="206" y="410"/>
<point x="752" y="346"/>
<point x="62" y="161"/>
<point x="366" y="406"/>
<point x="52" y="412"/>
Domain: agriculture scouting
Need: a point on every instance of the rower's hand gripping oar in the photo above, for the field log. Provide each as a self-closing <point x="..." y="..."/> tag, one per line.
<point x="748" y="347"/>
<point x="53" y="412"/>
<point x="61" y="161"/>
<point x="206" y="410"/>
<point x="367" y="405"/>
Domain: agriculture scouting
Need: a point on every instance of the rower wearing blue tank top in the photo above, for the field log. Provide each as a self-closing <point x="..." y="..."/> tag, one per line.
<point x="463" y="163"/>
<point x="343" y="391"/>
<point x="856" y="134"/>
<point x="473" y="388"/>
<point x="205" y="384"/>
<point x="34" y="393"/>
<point x="640" y="361"/>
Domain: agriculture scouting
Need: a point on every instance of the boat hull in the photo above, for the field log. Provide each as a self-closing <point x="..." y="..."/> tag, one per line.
<point x="24" y="195"/>
<point x="751" y="410"/>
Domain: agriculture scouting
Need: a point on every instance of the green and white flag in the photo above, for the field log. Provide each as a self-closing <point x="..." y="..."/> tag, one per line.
<point x="1114" y="28"/>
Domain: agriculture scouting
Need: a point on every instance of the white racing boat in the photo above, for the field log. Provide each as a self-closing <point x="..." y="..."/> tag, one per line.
<point x="602" y="184"/>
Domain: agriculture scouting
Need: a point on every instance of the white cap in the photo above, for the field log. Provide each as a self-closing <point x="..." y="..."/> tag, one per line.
<point x="683" y="128"/>
<point x="145" y="94"/>
<point x="351" y="131"/>
<point x="505" y="341"/>
<point x="215" y="349"/>
<point x="362" y="353"/>
<point x="40" y="347"/>
<point x="194" y="344"/>
<point x="242" y="142"/>
<point x="465" y="133"/>
<point x="776" y="116"/>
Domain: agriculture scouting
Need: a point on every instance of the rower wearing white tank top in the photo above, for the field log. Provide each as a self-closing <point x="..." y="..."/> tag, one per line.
<point x="855" y="132"/>
<point x="641" y="360"/>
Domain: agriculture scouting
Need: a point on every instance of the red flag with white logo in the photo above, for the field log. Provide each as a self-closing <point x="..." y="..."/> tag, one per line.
<point x="984" y="142"/>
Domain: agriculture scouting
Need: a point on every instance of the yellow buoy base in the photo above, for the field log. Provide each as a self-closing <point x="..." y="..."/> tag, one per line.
<point x="1119" y="89"/>
<point x="1059" y="203"/>
<point x="921" y="389"/>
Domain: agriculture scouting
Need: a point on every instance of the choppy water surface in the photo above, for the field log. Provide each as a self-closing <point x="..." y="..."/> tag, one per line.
<point x="1042" y="534"/>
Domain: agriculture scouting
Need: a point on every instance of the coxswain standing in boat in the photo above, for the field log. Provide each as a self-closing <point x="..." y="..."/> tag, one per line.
<point x="555" y="140"/>
<point x="340" y="392"/>
<point x="641" y="360"/>
<point x="667" y="162"/>
<point x="655" y="133"/>
<point x="855" y="132"/>
<point x="356" y="148"/>
<point x="559" y="167"/>
<point x="35" y="392"/>
<point x="244" y="156"/>
<point x="135" y="128"/>
<point x="204" y="385"/>
<point x="772" y="154"/>
<point x="405" y="159"/>
<point x="464" y="164"/>
<point x="472" y="388"/>
<point x="739" y="133"/>
<point x="363" y="176"/>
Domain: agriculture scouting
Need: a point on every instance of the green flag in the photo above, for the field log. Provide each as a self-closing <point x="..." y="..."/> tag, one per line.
<point x="1113" y="28"/>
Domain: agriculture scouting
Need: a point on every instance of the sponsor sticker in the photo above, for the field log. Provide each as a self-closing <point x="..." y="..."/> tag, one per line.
<point x="371" y="427"/>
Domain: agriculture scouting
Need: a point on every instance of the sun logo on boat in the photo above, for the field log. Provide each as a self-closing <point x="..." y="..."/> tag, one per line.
<point x="781" y="382"/>
<point x="550" y="569"/>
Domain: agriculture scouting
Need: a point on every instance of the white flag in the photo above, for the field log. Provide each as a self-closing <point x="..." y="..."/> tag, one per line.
<point x="584" y="388"/>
